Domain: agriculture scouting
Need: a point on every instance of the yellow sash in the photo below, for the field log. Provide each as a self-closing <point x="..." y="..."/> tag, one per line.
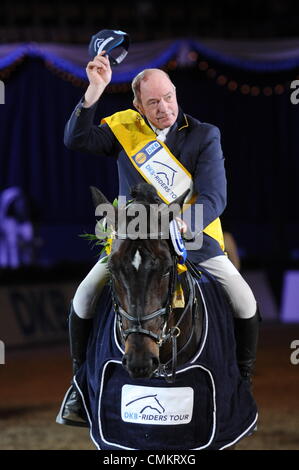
<point x="133" y="134"/>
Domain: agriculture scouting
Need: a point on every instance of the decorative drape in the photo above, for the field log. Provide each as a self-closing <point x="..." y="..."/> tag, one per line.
<point x="269" y="55"/>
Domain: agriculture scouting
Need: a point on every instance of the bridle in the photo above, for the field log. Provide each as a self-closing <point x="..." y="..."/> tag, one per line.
<point x="165" y="312"/>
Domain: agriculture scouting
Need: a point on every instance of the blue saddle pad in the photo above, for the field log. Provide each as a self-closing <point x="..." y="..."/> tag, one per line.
<point x="208" y="407"/>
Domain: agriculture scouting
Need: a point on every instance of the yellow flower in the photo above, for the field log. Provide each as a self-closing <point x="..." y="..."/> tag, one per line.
<point x="108" y="246"/>
<point x="181" y="268"/>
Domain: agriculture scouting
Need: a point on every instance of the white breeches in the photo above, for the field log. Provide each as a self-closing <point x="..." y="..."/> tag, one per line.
<point x="239" y="294"/>
<point x="87" y="294"/>
<point x="238" y="291"/>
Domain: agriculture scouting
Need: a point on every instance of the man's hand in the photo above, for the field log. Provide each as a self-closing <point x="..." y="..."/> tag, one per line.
<point x="185" y="230"/>
<point x="181" y="225"/>
<point x="99" y="74"/>
<point x="99" y="71"/>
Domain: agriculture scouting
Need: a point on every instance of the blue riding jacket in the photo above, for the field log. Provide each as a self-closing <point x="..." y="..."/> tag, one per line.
<point x="195" y="144"/>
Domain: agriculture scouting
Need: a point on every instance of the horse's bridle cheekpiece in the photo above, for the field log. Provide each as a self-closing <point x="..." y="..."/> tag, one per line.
<point x="115" y="43"/>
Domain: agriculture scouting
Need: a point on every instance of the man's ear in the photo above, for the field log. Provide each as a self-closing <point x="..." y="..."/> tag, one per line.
<point x="138" y="106"/>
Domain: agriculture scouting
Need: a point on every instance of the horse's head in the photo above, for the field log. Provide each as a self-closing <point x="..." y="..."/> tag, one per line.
<point x="143" y="273"/>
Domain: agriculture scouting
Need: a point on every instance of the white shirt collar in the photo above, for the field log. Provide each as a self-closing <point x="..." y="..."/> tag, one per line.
<point x="161" y="133"/>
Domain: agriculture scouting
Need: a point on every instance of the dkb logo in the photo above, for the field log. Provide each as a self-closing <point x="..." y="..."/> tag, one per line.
<point x="2" y="92"/>
<point x="2" y="352"/>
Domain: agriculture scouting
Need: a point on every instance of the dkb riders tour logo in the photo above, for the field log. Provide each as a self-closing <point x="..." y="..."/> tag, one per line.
<point x="160" y="406"/>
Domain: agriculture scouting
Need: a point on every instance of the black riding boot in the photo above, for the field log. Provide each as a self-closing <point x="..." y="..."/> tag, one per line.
<point x="246" y="335"/>
<point x="72" y="410"/>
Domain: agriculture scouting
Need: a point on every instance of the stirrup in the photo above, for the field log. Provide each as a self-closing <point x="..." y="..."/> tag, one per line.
<point x="72" y="417"/>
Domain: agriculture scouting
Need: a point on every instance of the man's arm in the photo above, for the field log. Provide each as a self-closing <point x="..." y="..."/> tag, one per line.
<point x="82" y="135"/>
<point x="210" y="178"/>
<point x="80" y="132"/>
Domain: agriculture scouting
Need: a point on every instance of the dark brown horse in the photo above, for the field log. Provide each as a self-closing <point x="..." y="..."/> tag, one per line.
<point x="157" y="337"/>
<point x="162" y="373"/>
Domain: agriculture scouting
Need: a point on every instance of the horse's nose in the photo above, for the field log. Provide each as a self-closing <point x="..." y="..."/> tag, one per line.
<point x="140" y="367"/>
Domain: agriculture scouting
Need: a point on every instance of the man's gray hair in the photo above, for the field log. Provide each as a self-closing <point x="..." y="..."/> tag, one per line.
<point x="142" y="76"/>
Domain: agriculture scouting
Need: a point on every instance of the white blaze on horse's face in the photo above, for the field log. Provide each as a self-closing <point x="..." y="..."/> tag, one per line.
<point x="137" y="260"/>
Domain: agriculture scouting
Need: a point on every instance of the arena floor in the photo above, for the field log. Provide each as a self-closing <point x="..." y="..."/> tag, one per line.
<point x="33" y="383"/>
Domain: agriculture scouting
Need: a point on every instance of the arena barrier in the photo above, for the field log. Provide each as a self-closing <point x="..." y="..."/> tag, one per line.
<point x="34" y="314"/>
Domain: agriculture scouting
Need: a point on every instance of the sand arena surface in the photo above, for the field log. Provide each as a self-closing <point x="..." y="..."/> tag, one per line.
<point x="33" y="382"/>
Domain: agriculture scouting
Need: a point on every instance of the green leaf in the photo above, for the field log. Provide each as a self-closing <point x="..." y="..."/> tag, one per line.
<point x="88" y="236"/>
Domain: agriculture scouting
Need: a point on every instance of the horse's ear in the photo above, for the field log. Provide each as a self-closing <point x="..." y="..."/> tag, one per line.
<point x="174" y="209"/>
<point x="181" y="199"/>
<point x="104" y="208"/>
<point x="98" y="197"/>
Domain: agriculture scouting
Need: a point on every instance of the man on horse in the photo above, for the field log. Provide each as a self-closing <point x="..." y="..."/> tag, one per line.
<point x="196" y="146"/>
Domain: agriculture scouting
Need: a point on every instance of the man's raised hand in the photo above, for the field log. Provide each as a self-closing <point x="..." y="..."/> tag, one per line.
<point x="99" y="74"/>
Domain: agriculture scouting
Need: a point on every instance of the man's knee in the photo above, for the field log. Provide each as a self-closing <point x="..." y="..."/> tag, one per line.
<point x="89" y="290"/>
<point x="242" y="299"/>
<point x="83" y="298"/>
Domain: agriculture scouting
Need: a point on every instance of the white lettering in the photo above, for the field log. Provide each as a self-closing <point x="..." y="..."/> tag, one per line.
<point x="115" y="460"/>
<point x="136" y="222"/>
<point x="107" y="212"/>
<point x="138" y="226"/>
<point x="2" y="352"/>
<point x="294" y="95"/>
<point x="294" y="358"/>
<point x="171" y="459"/>
<point x="151" y="148"/>
<point x="2" y="92"/>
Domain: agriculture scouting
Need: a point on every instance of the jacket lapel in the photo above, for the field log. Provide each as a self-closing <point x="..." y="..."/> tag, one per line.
<point x="176" y="136"/>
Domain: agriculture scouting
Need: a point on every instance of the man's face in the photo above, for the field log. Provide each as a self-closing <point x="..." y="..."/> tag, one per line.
<point x="158" y="101"/>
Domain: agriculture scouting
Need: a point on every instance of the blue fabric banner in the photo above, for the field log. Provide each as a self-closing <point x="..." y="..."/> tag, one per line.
<point x="265" y="56"/>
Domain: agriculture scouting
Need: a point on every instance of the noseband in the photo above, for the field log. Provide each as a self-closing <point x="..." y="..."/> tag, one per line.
<point x="137" y="324"/>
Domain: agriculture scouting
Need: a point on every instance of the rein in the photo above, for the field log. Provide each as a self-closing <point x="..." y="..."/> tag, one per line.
<point x="192" y="303"/>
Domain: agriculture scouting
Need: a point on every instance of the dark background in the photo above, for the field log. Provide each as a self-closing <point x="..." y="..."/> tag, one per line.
<point x="259" y="133"/>
<point x="261" y="147"/>
<point x="75" y="21"/>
